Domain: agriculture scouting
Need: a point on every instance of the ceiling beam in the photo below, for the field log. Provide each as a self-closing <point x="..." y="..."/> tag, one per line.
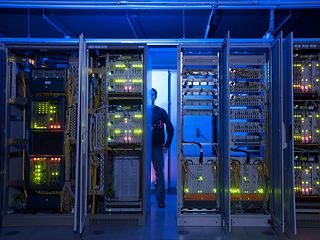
<point x="153" y="4"/>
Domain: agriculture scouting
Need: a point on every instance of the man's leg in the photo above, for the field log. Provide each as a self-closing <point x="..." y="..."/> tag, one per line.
<point x="158" y="165"/>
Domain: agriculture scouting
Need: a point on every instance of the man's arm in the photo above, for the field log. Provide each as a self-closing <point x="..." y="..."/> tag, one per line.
<point x="169" y="129"/>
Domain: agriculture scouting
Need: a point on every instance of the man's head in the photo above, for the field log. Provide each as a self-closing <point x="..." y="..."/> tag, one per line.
<point x="154" y="94"/>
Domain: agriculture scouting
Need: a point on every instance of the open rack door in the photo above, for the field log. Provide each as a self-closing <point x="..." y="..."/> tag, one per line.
<point x="2" y="125"/>
<point x="288" y="147"/>
<point x="82" y="140"/>
<point x="276" y="146"/>
<point x="224" y="134"/>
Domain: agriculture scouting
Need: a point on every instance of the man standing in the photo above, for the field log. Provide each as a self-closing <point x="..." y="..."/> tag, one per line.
<point x="159" y="146"/>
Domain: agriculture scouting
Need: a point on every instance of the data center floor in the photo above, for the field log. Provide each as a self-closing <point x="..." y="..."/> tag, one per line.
<point x="161" y="225"/>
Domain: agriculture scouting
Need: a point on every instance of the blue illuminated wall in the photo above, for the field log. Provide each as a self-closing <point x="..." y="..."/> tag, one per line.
<point x="160" y="81"/>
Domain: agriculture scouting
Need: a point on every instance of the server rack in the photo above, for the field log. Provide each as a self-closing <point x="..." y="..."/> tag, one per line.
<point x="198" y="89"/>
<point x="119" y="131"/>
<point x="40" y="137"/>
<point x="306" y="129"/>
<point x="249" y="157"/>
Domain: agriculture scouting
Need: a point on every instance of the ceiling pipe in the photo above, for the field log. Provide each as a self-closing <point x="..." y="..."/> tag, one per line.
<point x="131" y="26"/>
<point x="269" y="34"/>
<point x="29" y="34"/>
<point x="283" y="23"/>
<point x="58" y="42"/>
<point x="235" y="4"/>
<point x="183" y="25"/>
<point x="55" y="25"/>
<point x="213" y="11"/>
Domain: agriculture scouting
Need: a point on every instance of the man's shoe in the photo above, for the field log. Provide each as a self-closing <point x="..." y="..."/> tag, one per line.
<point x="162" y="205"/>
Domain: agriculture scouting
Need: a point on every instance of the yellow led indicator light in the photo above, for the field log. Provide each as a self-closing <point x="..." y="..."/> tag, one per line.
<point x="234" y="190"/>
<point x="138" y="116"/>
<point x="215" y="190"/>
<point x="137" y="131"/>
<point x="200" y="178"/>
<point x="117" y="131"/>
<point x="136" y="80"/>
<point x="120" y="80"/>
<point x="186" y="190"/>
<point x="260" y="190"/>
<point x="199" y="191"/>
<point x="120" y="65"/>
<point x="117" y="116"/>
<point x="137" y="65"/>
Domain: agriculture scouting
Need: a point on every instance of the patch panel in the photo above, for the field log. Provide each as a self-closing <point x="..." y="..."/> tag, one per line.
<point x="246" y="87"/>
<point x="200" y="112"/>
<point x="194" y="81"/>
<point x="200" y="91"/>
<point x="246" y="100"/>
<point x="247" y="140"/>
<point x="246" y="114"/>
<point x="200" y="102"/>
<point x="249" y="127"/>
<point x="246" y="73"/>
